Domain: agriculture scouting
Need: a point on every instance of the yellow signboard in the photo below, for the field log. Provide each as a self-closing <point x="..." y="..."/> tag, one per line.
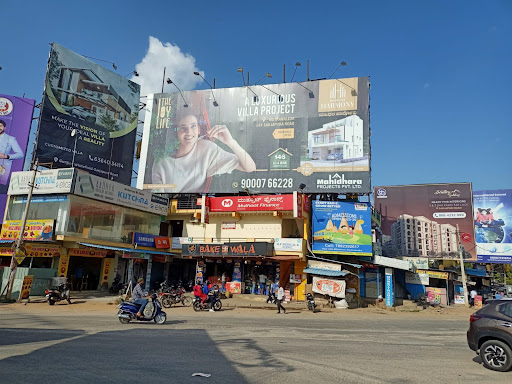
<point x="434" y="274"/>
<point x="35" y="230"/>
<point x="63" y="265"/>
<point x="43" y="250"/>
<point x="25" y="288"/>
<point x="283" y="133"/>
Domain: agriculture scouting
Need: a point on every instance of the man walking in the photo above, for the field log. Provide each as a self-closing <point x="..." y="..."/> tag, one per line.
<point x="280" y="298"/>
<point x="472" y="295"/>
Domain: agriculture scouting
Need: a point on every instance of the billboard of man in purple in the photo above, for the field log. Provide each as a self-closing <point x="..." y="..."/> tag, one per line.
<point x="15" y="119"/>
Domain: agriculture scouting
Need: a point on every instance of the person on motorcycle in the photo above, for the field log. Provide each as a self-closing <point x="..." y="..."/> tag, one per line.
<point x="198" y="292"/>
<point x="140" y="297"/>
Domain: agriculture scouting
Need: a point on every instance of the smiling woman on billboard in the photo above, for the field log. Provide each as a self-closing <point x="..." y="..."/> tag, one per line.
<point x="197" y="157"/>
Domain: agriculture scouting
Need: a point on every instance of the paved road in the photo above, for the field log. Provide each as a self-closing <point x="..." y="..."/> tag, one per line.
<point x="62" y="344"/>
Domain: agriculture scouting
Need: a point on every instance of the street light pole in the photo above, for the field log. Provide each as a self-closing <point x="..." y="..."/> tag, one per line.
<point x="462" y="270"/>
<point x="19" y="240"/>
<point x="73" y="134"/>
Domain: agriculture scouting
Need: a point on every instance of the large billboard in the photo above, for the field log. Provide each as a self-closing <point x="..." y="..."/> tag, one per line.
<point x="342" y="228"/>
<point x="493" y="225"/>
<point x="421" y="220"/>
<point x="262" y="139"/>
<point x="15" y="119"/>
<point x="88" y="118"/>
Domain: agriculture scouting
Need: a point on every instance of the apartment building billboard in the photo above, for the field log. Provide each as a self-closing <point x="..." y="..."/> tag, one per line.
<point x="342" y="228"/>
<point x="88" y="117"/>
<point x="421" y="220"/>
<point x="264" y="139"/>
<point x="493" y="225"/>
<point x="15" y="120"/>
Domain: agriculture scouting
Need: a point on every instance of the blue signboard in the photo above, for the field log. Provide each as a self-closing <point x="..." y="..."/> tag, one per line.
<point x="388" y="286"/>
<point x="493" y="225"/>
<point x="342" y="227"/>
<point x="144" y="239"/>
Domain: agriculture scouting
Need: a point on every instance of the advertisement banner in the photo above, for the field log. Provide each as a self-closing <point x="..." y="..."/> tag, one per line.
<point x="251" y="203"/>
<point x="35" y="230"/>
<point x="15" y="120"/>
<point x="287" y="245"/>
<point x="25" y="288"/>
<point x="63" y="265"/>
<point x="342" y="228"/>
<point x="389" y="287"/>
<point x="234" y="287"/>
<point x="107" y="263"/>
<point x="47" y="182"/>
<point x="418" y="262"/>
<point x="88" y="117"/>
<point x="148" y="240"/>
<point x="98" y="188"/>
<point x="87" y="252"/>
<point x="268" y="139"/>
<point x="331" y="287"/>
<point x="435" y="274"/>
<point x="421" y="220"/>
<point x="42" y="250"/>
<point x="417" y="278"/>
<point x="227" y="249"/>
<point x="493" y="225"/>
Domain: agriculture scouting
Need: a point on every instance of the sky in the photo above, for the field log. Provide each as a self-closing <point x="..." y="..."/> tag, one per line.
<point x="440" y="71"/>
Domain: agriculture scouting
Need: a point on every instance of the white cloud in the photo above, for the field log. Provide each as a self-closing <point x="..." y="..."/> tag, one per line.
<point x="179" y="66"/>
<point x="426" y="85"/>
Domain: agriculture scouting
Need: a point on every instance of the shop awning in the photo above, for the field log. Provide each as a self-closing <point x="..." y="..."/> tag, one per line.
<point x="132" y="250"/>
<point x="324" y="272"/>
<point x="335" y="261"/>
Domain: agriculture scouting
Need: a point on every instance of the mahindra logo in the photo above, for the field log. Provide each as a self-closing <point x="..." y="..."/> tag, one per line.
<point x="226" y="203"/>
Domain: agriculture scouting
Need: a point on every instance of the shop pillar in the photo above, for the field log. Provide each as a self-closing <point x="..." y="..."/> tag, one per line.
<point x="389" y="287"/>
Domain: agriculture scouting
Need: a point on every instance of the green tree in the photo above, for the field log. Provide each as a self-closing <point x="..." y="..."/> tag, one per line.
<point x="109" y="123"/>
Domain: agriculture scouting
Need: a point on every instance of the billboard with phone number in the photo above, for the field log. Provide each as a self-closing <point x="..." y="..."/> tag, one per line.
<point x="262" y="139"/>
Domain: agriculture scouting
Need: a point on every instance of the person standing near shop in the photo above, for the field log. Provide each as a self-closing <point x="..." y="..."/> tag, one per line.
<point x="472" y="295"/>
<point x="280" y="298"/>
<point x="263" y="281"/>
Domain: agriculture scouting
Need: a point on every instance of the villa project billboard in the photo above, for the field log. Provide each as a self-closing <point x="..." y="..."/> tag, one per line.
<point x="264" y="139"/>
<point x="99" y="106"/>
<point x="493" y="225"/>
<point x="421" y="220"/>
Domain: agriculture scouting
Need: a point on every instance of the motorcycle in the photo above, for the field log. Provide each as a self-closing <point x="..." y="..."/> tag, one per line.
<point x="213" y="299"/>
<point x="57" y="294"/>
<point x="311" y="302"/>
<point x="116" y="286"/>
<point x="153" y="311"/>
<point x="174" y="296"/>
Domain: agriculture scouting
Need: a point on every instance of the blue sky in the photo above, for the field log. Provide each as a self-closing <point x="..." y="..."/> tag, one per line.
<point x="440" y="71"/>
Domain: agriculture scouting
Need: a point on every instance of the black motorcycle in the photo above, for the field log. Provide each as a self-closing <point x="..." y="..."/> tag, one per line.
<point x="213" y="300"/>
<point x="311" y="302"/>
<point x="57" y="294"/>
<point x="117" y="286"/>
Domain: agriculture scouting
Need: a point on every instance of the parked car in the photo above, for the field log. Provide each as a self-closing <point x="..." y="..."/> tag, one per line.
<point x="333" y="156"/>
<point x="490" y="334"/>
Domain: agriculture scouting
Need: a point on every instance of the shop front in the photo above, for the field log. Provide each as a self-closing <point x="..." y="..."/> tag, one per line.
<point x="241" y="267"/>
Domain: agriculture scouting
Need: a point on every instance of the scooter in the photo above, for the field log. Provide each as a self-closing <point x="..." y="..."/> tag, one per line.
<point x="271" y="299"/>
<point x="116" y="286"/>
<point x="311" y="302"/>
<point x="153" y="311"/>
<point x="57" y="294"/>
